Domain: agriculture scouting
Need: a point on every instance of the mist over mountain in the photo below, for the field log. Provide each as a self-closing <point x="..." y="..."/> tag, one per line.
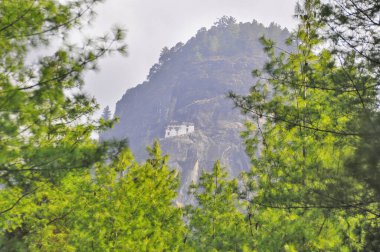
<point x="188" y="86"/>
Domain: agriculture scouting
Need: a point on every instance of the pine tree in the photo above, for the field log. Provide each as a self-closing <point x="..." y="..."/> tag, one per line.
<point x="303" y="197"/>
<point x="122" y="206"/>
<point x="45" y="117"/>
<point x="353" y="28"/>
<point x="45" y="124"/>
<point x="216" y="221"/>
<point x="107" y="115"/>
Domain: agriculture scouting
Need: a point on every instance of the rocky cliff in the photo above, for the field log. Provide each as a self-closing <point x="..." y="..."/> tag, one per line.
<point x="189" y="84"/>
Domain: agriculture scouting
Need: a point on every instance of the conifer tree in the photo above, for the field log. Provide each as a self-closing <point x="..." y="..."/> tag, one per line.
<point x="304" y="199"/>
<point x="353" y="28"/>
<point x="45" y="117"/>
<point x="107" y="115"/>
<point x="122" y="206"/>
<point x="216" y="222"/>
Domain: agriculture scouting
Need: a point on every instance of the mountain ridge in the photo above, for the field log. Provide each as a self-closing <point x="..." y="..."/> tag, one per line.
<point x="189" y="84"/>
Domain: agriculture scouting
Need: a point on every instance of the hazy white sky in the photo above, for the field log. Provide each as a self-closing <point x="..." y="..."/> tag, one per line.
<point x="153" y="24"/>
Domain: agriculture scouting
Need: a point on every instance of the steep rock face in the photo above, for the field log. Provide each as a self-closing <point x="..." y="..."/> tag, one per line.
<point x="189" y="84"/>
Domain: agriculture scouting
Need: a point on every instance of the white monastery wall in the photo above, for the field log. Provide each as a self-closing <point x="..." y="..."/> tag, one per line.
<point x="173" y="130"/>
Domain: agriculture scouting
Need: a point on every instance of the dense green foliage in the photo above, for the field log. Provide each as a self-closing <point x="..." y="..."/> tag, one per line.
<point x="313" y="141"/>
<point x="316" y="172"/>
<point x="45" y="117"/>
<point x="217" y="222"/>
<point x="99" y="211"/>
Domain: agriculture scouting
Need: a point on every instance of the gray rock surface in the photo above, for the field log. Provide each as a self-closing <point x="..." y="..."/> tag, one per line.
<point x="189" y="84"/>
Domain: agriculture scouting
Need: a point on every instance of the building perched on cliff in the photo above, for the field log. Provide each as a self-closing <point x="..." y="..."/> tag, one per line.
<point x="179" y="129"/>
